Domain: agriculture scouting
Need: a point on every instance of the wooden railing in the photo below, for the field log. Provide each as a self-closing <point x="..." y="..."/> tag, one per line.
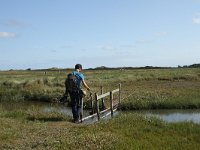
<point x="96" y="100"/>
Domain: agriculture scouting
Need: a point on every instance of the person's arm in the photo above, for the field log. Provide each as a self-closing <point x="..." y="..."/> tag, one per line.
<point x="85" y="85"/>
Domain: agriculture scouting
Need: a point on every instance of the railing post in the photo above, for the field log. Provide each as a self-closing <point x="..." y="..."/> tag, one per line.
<point x="120" y="86"/>
<point x="111" y="103"/>
<point x="102" y="100"/>
<point x="92" y="103"/>
<point x="81" y="112"/>
<point x="97" y="106"/>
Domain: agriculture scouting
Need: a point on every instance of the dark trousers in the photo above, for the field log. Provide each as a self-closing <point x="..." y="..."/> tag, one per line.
<point x="76" y="105"/>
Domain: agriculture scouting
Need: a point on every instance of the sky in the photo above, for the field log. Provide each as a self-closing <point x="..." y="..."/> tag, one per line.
<point x="40" y="34"/>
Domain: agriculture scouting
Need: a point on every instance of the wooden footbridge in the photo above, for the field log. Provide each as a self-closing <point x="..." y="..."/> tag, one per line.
<point x="112" y="99"/>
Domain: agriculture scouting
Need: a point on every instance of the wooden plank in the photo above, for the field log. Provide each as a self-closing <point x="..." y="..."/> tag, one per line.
<point x="109" y="113"/>
<point x="106" y="111"/>
<point x="114" y="91"/>
<point x="88" y="117"/>
<point x="103" y="111"/>
<point x="103" y="95"/>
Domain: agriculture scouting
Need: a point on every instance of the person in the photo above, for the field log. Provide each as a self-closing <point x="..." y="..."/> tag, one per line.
<point x="75" y="96"/>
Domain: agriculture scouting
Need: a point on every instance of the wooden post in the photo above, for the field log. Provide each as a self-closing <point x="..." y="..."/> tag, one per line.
<point x="81" y="112"/>
<point x="92" y="103"/>
<point x="102" y="100"/>
<point x="111" y="103"/>
<point x="120" y="86"/>
<point x="97" y="106"/>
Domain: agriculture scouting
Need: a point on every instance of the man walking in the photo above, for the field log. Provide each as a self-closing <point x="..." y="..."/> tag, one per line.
<point x="75" y="95"/>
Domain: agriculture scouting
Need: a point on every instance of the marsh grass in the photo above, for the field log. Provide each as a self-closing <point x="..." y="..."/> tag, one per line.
<point x="148" y="89"/>
<point x="164" y="95"/>
<point x="46" y="89"/>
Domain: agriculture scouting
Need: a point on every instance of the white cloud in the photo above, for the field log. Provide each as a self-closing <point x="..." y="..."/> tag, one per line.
<point x="108" y="48"/>
<point x="196" y="19"/>
<point x="144" y="41"/>
<point x="161" y="33"/>
<point x="14" y="23"/>
<point x="7" y="35"/>
<point x="127" y="46"/>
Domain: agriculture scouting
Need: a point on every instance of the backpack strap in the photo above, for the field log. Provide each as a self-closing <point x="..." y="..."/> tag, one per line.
<point x="73" y="73"/>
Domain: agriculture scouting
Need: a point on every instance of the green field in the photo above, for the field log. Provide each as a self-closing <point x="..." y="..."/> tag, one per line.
<point x="150" y="88"/>
<point x="147" y="89"/>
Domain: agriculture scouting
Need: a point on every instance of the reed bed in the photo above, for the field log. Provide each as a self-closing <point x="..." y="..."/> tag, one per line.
<point x="150" y="88"/>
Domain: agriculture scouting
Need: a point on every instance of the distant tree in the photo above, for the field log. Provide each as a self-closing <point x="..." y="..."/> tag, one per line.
<point x="53" y="68"/>
<point x="195" y="66"/>
<point x="101" y="67"/>
<point x="148" y="67"/>
<point x="29" y="69"/>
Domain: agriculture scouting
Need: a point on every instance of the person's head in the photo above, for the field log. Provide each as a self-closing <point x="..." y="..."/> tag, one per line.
<point x="78" y="66"/>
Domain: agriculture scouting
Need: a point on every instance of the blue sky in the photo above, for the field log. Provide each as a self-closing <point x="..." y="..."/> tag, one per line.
<point x="114" y="33"/>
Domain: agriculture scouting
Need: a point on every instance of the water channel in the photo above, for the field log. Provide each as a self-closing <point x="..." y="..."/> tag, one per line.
<point x="191" y="115"/>
<point x="174" y="115"/>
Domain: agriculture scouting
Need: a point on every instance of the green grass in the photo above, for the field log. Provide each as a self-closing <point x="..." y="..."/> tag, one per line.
<point x="126" y="131"/>
<point x="164" y="95"/>
<point x="54" y="80"/>
<point x="148" y="89"/>
<point x="30" y="86"/>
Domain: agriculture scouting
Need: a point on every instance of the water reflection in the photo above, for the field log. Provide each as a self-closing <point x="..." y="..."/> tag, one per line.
<point x="192" y="115"/>
<point x="42" y="106"/>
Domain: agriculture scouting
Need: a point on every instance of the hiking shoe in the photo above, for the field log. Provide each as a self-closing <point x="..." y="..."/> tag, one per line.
<point x="75" y="121"/>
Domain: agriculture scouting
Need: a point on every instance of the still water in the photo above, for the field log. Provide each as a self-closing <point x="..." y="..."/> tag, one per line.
<point x="175" y="115"/>
<point x="192" y="115"/>
<point x="41" y="106"/>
